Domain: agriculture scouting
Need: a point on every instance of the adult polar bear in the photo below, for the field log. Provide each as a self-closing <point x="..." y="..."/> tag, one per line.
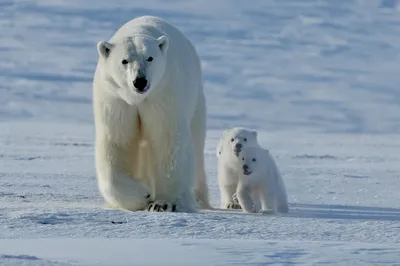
<point x="150" y="119"/>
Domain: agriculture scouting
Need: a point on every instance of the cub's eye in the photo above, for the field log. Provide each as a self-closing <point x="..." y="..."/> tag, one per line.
<point x="242" y="159"/>
<point x="124" y="62"/>
<point x="254" y="159"/>
<point x="232" y="140"/>
<point x="150" y="59"/>
<point x="245" y="139"/>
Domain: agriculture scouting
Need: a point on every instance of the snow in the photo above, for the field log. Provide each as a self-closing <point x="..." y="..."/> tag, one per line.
<point x="317" y="79"/>
<point x="101" y="251"/>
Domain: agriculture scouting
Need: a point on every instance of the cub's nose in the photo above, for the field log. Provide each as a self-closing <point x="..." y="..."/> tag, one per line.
<point x="140" y="84"/>
<point x="245" y="167"/>
<point x="238" y="146"/>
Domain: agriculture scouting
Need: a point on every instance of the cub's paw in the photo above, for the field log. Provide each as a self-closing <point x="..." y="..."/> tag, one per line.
<point x="161" y="206"/>
<point x="234" y="205"/>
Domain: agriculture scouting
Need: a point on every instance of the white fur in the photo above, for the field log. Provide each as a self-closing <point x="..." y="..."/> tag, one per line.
<point x="150" y="146"/>
<point x="228" y="173"/>
<point x="264" y="184"/>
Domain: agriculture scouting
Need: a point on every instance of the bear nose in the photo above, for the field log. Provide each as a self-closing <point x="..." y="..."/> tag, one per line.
<point x="238" y="146"/>
<point x="140" y="84"/>
<point x="245" y="167"/>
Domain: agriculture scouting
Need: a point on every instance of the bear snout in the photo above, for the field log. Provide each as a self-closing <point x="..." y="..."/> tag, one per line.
<point x="140" y="84"/>
<point x="246" y="169"/>
<point x="237" y="149"/>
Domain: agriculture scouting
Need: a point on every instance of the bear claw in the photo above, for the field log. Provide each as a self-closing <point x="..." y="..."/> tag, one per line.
<point x="233" y="205"/>
<point x="158" y="206"/>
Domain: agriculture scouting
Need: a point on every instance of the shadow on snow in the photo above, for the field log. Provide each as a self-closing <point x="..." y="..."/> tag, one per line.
<point x="302" y="210"/>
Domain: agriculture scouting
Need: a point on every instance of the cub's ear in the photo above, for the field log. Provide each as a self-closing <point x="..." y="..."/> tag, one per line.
<point x="221" y="142"/>
<point x="254" y="133"/>
<point x="226" y="131"/>
<point x="104" y="49"/>
<point x="163" y="43"/>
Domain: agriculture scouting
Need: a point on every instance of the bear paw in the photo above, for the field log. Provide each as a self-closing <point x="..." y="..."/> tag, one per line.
<point x="233" y="205"/>
<point x="161" y="206"/>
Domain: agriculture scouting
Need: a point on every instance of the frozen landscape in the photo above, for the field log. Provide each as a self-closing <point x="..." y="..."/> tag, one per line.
<point x="319" y="80"/>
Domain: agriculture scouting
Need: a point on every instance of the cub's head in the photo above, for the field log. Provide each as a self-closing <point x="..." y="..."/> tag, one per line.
<point x="250" y="160"/>
<point x="235" y="139"/>
<point x="134" y="66"/>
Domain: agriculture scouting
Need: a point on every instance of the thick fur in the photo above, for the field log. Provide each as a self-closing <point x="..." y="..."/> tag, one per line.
<point x="260" y="183"/>
<point x="228" y="173"/>
<point x="150" y="145"/>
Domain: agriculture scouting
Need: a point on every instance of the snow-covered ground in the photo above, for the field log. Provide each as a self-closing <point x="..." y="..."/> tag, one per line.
<point x="317" y="79"/>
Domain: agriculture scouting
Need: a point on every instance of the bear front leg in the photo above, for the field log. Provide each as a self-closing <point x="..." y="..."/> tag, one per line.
<point x="228" y="197"/>
<point x="268" y="199"/>
<point x="227" y="182"/>
<point x="115" y="185"/>
<point x="244" y="197"/>
<point x="176" y="186"/>
<point x="255" y="195"/>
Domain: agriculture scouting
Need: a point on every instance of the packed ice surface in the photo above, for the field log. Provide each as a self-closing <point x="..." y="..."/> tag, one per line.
<point x="317" y="79"/>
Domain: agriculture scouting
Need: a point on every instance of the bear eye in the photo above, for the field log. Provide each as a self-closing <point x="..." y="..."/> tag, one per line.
<point x="254" y="159"/>
<point x="232" y="139"/>
<point x="150" y="59"/>
<point x="124" y="62"/>
<point x="243" y="159"/>
<point x="245" y="139"/>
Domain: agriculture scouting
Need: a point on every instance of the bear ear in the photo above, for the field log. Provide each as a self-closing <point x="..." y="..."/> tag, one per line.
<point x="163" y="43"/>
<point x="104" y="49"/>
<point x="254" y="133"/>
<point x="226" y="131"/>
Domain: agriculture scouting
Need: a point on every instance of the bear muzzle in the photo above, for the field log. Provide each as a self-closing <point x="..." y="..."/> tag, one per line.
<point x="141" y="85"/>
<point x="237" y="149"/>
<point x="246" y="169"/>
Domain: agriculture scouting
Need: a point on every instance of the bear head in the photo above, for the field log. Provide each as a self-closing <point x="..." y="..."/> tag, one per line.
<point x="134" y="66"/>
<point x="234" y="140"/>
<point x="250" y="160"/>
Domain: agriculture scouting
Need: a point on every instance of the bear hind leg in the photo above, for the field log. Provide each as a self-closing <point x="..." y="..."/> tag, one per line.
<point x="198" y="134"/>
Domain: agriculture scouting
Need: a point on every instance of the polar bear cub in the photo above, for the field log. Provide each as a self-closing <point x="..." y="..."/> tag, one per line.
<point x="150" y="119"/>
<point x="231" y="143"/>
<point x="260" y="181"/>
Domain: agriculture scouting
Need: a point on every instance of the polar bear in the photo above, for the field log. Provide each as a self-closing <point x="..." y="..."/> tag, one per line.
<point x="260" y="181"/>
<point x="230" y="144"/>
<point x="150" y="119"/>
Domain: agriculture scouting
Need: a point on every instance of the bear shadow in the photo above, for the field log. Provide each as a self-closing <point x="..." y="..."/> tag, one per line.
<point x="345" y="212"/>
